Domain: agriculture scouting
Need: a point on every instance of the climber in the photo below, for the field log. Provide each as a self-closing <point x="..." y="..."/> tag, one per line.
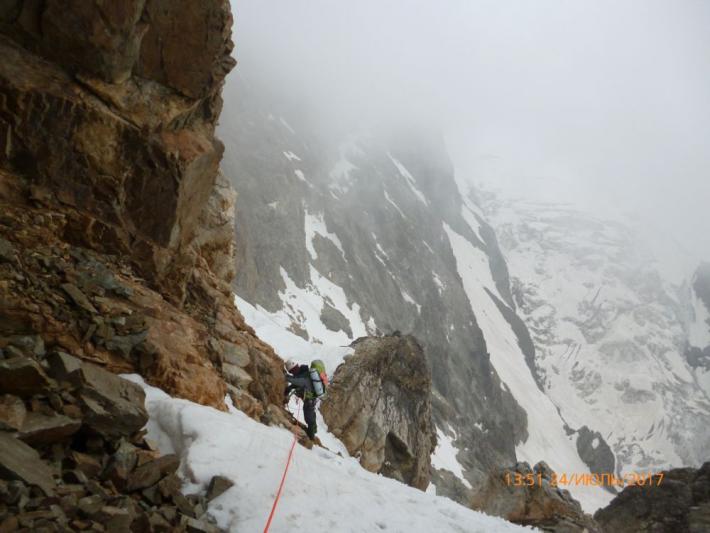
<point x="308" y="384"/>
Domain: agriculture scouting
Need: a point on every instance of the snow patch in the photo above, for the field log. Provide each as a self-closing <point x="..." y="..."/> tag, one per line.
<point x="409" y="179"/>
<point x="437" y="281"/>
<point x="444" y="456"/>
<point x="392" y="202"/>
<point x="291" y="156"/>
<point x="315" y="225"/>
<point x="322" y="493"/>
<point x="409" y="299"/>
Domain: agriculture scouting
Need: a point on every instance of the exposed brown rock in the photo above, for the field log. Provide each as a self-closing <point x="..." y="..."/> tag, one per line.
<point x="22" y="376"/>
<point x="537" y="503"/>
<point x="218" y="486"/>
<point x="673" y="501"/>
<point x="150" y="473"/>
<point x="116" y="253"/>
<point x="379" y="405"/>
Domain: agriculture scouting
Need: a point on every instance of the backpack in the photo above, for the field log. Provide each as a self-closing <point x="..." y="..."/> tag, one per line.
<point x="319" y="378"/>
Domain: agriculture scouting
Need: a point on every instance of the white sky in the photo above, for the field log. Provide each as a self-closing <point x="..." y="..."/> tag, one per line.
<point x="603" y="103"/>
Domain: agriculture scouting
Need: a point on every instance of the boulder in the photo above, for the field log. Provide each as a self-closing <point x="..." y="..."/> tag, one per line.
<point x="379" y="405"/>
<point x="218" y="486"/>
<point x="41" y="429"/>
<point x="678" y="501"/>
<point x="152" y="472"/>
<point x="111" y="405"/>
<point x="19" y="461"/>
<point x="539" y="504"/>
<point x="23" y="376"/>
<point x="62" y="364"/>
<point x="235" y="354"/>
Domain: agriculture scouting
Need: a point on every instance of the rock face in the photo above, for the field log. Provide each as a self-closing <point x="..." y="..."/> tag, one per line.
<point x="539" y="503"/>
<point x="116" y="228"/>
<point x="379" y="405"/>
<point x="73" y="455"/>
<point x="679" y="501"/>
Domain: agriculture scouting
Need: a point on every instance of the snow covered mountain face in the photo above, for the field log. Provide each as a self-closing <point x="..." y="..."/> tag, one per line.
<point x="368" y="233"/>
<point x="698" y="350"/>
<point x="611" y="334"/>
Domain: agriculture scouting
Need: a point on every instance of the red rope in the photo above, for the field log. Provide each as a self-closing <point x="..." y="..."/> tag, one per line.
<point x="283" y="477"/>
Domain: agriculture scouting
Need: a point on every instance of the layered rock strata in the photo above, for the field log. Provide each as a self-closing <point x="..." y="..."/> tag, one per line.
<point x="116" y="232"/>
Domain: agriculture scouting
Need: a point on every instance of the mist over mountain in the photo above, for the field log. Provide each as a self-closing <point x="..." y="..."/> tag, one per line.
<point x="602" y="105"/>
<point x="550" y="332"/>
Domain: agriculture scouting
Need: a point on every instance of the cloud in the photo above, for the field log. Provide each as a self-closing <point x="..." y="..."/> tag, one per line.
<point x="601" y="102"/>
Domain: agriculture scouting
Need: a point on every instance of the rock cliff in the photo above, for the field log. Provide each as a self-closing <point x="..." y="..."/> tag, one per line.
<point x="379" y="406"/>
<point x="117" y="228"/>
<point x="677" y="501"/>
<point x="116" y="255"/>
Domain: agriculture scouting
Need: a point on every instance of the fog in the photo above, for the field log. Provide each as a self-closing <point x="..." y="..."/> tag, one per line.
<point x="604" y="104"/>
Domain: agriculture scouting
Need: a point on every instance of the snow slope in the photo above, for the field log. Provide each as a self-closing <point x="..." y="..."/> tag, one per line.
<point x="323" y="491"/>
<point x="547" y="439"/>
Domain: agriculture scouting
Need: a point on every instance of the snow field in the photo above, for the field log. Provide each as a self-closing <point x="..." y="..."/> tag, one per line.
<point x="547" y="440"/>
<point x="323" y="491"/>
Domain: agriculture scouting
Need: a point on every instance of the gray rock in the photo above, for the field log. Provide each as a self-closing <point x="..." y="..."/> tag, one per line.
<point x="152" y="472"/>
<point x="23" y="377"/>
<point x="115" y="519"/>
<point x="112" y="406"/>
<point x="595" y="452"/>
<point x="236" y="376"/>
<point x="124" y="344"/>
<point x="121" y="464"/>
<point x="235" y="354"/>
<point x="32" y="345"/>
<point x="42" y="429"/>
<point x="19" y="461"/>
<point x="79" y="298"/>
<point x="679" y="501"/>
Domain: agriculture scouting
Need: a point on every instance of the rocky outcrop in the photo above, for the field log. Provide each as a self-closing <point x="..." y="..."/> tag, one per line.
<point x="596" y="453"/>
<point x="527" y="496"/>
<point x="379" y="406"/>
<point x="677" y="501"/>
<point x="116" y="228"/>
<point x="73" y="455"/>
